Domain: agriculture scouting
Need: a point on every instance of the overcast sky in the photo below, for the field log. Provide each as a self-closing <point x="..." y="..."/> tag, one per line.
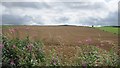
<point x="60" y="12"/>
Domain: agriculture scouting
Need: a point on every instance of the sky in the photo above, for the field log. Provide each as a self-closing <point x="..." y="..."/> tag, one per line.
<point x="59" y="12"/>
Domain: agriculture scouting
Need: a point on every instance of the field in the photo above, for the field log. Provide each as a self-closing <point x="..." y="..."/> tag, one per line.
<point x="71" y="45"/>
<point x="114" y="30"/>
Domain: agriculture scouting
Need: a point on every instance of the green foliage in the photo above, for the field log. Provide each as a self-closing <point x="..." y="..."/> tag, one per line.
<point x="114" y="30"/>
<point x="53" y="59"/>
<point x="27" y="54"/>
<point x="22" y="53"/>
<point x="93" y="56"/>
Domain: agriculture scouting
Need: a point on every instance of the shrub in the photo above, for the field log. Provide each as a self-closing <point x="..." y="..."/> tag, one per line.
<point x="22" y="53"/>
<point x="94" y="56"/>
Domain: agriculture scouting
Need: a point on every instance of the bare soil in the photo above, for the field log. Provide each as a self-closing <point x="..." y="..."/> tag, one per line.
<point x="66" y="40"/>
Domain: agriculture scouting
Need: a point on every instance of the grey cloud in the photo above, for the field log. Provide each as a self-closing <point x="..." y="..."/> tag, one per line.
<point x="61" y="19"/>
<point x="59" y="5"/>
<point x="119" y="13"/>
<point x="15" y="19"/>
<point x="19" y="20"/>
<point x="111" y="20"/>
<point x="107" y="0"/>
<point x="0" y="20"/>
<point x="88" y="21"/>
<point x="84" y="5"/>
<point x="35" y="5"/>
<point x="38" y="20"/>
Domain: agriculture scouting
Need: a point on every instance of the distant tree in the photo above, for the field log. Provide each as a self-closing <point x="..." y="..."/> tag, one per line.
<point x="92" y="25"/>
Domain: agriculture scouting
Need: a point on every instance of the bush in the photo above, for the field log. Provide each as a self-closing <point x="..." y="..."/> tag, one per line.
<point x="94" y="56"/>
<point x="22" y="53"/>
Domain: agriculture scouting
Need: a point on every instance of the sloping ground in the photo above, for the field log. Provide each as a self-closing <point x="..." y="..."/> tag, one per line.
<point x="66" y="35"/>
<point x="65" y="40"/>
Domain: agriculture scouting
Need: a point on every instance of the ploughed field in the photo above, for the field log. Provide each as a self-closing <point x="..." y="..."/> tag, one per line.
<point x="65" y="35"/>
<point x="65" y="41"/>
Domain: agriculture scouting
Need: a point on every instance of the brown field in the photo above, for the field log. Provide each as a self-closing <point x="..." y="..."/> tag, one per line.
<point x="66" y="40"/>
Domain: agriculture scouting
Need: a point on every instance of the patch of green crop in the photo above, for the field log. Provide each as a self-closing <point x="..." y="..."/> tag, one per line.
<point x="114" y="30"/>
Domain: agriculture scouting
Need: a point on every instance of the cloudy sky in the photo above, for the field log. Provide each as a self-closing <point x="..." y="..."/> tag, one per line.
<point x="59" y="12"/>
